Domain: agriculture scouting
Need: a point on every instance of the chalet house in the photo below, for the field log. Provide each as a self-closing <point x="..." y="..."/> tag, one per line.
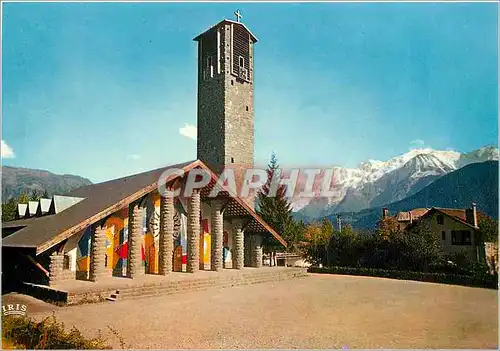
<point x="457" y="229"/>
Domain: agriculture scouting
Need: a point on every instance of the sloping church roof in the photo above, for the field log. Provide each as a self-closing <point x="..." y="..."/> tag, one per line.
<point x="101" y="200"/>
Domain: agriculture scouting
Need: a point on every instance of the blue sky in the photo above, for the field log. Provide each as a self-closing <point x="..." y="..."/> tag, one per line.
<point x="103" y="90"/>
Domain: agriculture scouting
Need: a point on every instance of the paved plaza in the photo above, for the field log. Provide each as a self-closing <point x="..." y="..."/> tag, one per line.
<point x="318" y="311"/>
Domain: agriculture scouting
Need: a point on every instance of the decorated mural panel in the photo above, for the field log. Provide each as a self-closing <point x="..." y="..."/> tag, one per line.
<point x="227" y="243"/>
<point x="180" y="238"/>
<point x="205" y="236"/>
<point x="116" y="242"/>
<point x="152" y="234"/>
<point x="117" y="239"/>
<point x="83" y="254"/>
<point x="116" y="245"/>
<point x="151" y="228"/>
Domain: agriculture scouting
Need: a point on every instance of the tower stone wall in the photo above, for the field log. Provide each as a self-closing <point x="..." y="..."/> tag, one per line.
<point x="211" y="114"/>
<point x="225" y="101"/>
<point x="239" y="112"/>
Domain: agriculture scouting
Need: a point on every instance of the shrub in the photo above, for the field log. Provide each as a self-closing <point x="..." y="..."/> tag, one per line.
<point x="418" y="249"/>
<point x="317" y="239"/>
<point x="415" y="249"/>
<point x="484" y="281"/>
<point x="461" y="263"/>
<point x="47" y="334"/>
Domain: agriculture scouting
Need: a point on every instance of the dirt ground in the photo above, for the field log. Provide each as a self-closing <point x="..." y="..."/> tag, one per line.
<point x="319" y="311"/>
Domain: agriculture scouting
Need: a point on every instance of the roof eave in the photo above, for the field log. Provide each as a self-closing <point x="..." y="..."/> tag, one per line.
<point x="98" y="216"/>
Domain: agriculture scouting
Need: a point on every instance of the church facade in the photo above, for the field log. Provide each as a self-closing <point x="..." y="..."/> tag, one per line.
<point x="127" y="227"/>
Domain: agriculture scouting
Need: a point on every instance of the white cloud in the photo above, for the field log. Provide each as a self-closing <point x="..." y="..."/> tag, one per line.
<point x="188" y="131"/>
<point x="417" y="143"/>
<point x="134" y="157"/>
<point x="7" y="151"/>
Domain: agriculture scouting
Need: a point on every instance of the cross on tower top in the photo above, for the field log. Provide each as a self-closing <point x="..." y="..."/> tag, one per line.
<point x="238" y="15"/>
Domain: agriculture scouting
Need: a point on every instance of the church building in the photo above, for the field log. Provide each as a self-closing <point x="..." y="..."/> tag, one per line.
<point x="125" y="227"/>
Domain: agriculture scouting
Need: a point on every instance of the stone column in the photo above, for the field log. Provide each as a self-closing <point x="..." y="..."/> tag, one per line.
<point x="55" y="268"/>
<point x="98" y="254"/>
<point x="217" y="236"/>
<point x="193" y="233"/>
<point x="257" y="251"/>
<point x="238" y="246"/>
<point x="166" y="243"/>
<point x="134" y="257"/>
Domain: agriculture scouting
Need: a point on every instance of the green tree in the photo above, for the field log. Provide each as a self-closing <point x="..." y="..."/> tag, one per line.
<point x="294" y="235"/>
<point x="327" y="233"/>
<point x="418" y="248"/>
<point x="9" y="210"/>
<point x="387" y="227"/>
<point x="488" y="228"/>
<point x="463" y="263"/>
<point x="317" y="239"/>
<point x="327" y="228"/>
<point x="343" y="248"/>
<point x="275" y="209"/>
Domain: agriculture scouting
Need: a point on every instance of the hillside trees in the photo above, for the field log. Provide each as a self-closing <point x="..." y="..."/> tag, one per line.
<point x="9" y="210"/>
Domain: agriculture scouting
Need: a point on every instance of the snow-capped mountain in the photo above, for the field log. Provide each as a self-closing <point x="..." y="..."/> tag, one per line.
<point x="375" y="183"/>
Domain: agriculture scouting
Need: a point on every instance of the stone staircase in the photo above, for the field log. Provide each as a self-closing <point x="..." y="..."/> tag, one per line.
<point x="183" y="285"/>
<point x="113" y="297"/>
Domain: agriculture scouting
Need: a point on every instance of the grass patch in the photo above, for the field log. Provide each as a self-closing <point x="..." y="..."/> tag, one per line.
<point x="22" y="332"/>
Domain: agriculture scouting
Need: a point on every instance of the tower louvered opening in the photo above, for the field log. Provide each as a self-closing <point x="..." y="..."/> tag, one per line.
<point x="241" y="51"/>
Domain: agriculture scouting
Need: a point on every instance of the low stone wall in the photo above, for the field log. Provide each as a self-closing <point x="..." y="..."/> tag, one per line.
<point x="45" y="293"/>
<point x="67" y="274"/>
<point x="57" y="271"/>
<point x="63" y="275"/>
<point x="181" y="286"/>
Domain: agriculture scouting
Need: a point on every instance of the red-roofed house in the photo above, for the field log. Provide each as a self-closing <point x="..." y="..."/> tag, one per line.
<point x="456" y="228"/>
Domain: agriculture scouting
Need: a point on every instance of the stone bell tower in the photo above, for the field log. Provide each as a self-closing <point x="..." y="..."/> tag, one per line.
<point x="225" y="96"/>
